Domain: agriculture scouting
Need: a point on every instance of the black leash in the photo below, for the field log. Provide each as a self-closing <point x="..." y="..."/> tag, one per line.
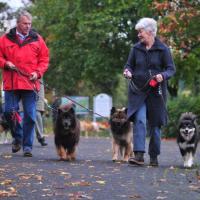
<point x="147" y="83"/>
<point x="132" y="85"/>
<point x="15" y="115"/>
<point x="89" y="110"/>
<point x="25" y="74"/>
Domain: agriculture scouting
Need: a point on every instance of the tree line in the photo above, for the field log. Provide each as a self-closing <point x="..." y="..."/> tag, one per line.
<point x="89" y="42"/>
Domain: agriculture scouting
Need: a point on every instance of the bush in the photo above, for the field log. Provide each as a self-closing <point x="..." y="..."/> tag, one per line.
<point x="175" y="108"/>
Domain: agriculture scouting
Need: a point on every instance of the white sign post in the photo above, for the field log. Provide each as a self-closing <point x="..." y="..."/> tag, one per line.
<point x="102" y="105"/>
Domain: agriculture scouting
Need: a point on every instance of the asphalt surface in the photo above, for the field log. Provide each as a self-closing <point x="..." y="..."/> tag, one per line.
<point x="94" y="176"/>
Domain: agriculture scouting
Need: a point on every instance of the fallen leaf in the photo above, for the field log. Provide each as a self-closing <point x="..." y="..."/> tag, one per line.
<point x="86" y="196"/>
<point x="136" y="196"/>
<point x="46" y="189"/>
<point x="64" y="173"/>
<point x="194" y="187"/>
<point x="6" y="182"/>
<point x="7" y="156"/>
<point x="122" y="196"/>
<point x="39" y="177"/>
<point x="25" y="176"/>
<point x="10" y="192"/>
<point x="159" y="197"/>
<point x="162" y="180"/>
<point x="99" y="177"/>
<point x="78" y="195"/>
<point x="88" y="160"/>
<point x="78" y="183"/>
<point x="101" y="182"/>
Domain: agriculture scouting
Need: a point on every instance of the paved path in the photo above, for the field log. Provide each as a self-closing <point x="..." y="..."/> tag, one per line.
<point x="94" y="175"/>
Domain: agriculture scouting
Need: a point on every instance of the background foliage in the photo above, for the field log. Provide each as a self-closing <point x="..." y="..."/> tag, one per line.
<point x="89" y="42"/>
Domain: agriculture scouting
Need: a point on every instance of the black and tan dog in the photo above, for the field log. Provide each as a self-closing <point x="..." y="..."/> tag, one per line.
<point x="188" y="137"/>
<point x="66" y="131"/>
<point x="122" y="134"/>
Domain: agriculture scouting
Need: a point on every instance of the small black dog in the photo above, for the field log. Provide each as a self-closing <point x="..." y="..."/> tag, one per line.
<point x="66" y="130"/>
<point x="188" y="137"/>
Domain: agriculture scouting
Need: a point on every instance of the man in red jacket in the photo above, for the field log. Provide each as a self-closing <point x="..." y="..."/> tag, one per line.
<point x="24" y="58"/>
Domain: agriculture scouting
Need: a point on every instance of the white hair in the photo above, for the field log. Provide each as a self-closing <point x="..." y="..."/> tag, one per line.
<point x="24" y="13"/>
<point x="148" y="24"/>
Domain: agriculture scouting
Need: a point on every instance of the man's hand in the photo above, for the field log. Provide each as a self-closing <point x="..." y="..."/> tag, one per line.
<point x="33" y="76"/>
<point x="127" y="74"/>
<point x="9" y="65"/>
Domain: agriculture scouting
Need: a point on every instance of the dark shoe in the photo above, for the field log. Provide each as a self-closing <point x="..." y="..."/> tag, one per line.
<point x="28" y="154"/>
<point x="153" y="161"/>
<point x="137" y="160"/>
<point x="42" y="141"/>
<point x="16" y="147"/>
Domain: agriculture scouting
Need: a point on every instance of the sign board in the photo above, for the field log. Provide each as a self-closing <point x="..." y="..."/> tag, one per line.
<point x="102" y="105"/>
<point x="84" y="101"/>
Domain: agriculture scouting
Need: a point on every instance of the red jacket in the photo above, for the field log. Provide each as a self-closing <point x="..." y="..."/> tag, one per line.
<point x="31" y="55"/>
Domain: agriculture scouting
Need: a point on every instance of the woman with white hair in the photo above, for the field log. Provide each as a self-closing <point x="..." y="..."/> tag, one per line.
<point x="148" y="68"/>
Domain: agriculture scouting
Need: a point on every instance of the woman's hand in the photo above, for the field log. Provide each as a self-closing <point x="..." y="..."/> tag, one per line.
<point x="127" y="74"/>
<point x="159" y="78"/>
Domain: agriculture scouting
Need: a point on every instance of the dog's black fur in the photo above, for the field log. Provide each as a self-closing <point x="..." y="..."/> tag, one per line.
<point x="4" y="129"/>
<point x="188" y="137"/>
<point x="66" y="130"/>
<point x="3" y="123"/>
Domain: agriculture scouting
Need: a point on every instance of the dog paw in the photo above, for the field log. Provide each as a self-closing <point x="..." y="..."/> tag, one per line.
<point x="115" y="159"/>
<point x="72" y="159"/>
<point x="186" y="165"/>
<point x="126" y="157"/>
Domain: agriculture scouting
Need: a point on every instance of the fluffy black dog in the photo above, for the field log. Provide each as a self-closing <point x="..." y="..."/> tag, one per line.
<point x="66" y="130"/>
<point x="188" y="137"/>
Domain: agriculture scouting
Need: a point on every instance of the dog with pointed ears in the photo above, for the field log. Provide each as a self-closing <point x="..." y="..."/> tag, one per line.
<point x="188" y="137"/>
<point x="66" y="131"/>
<point x="122" y="134"/>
